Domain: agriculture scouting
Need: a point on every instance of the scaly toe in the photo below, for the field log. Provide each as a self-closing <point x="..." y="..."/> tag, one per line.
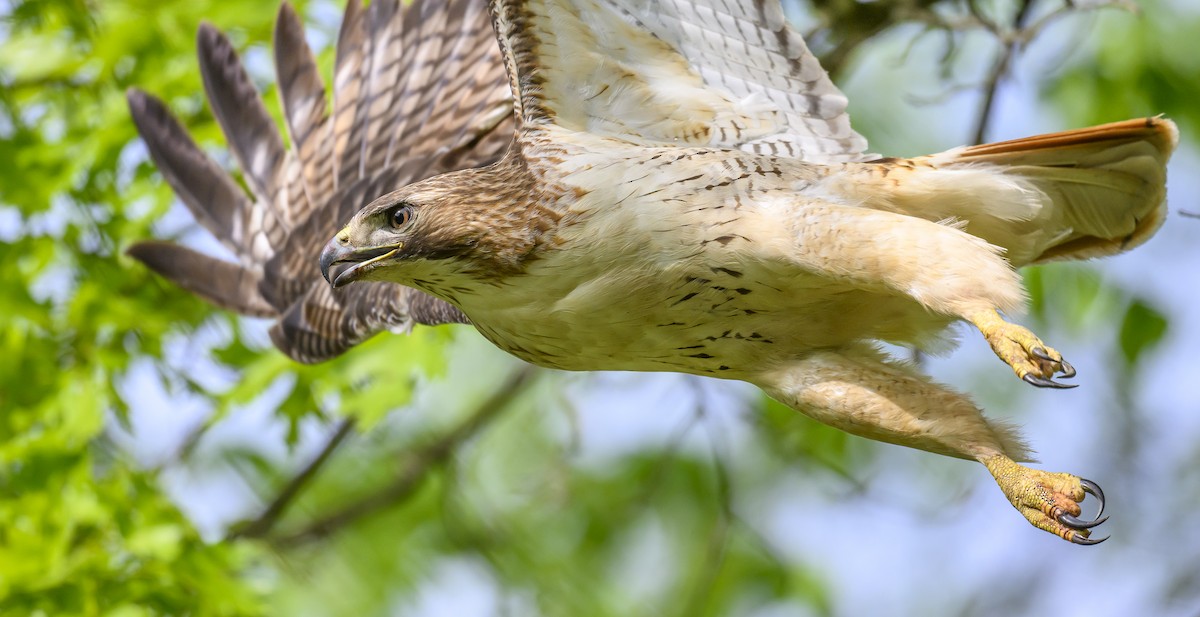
<point x="1032" y="360"/>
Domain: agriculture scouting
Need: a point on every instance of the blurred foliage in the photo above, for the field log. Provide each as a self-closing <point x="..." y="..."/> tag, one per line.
<point x="1132" y="67"/>
<point x="85" y="529"/>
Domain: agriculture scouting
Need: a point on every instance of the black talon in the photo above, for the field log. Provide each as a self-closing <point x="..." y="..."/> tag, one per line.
<point x="1077" y="523"/>
<point x="1042" y="382"/>
<point x="1067" y="370"/>
<point x="1093" y="489"/>
<point x="1074" y="522"/>
<point x="1078" y="539"/>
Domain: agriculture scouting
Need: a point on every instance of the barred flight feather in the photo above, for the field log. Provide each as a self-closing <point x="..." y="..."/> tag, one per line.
<point x="418" y="90"/>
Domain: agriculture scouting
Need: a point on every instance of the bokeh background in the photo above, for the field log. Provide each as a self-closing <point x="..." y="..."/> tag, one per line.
<point x="158" y="457"/>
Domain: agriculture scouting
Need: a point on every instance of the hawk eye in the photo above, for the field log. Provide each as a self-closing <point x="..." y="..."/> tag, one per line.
<point x="401" y="216"/>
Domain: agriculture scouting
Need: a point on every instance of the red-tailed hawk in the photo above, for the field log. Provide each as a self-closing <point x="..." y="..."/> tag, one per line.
<point x="418" y="91"/>
<point x="684" y="193"/>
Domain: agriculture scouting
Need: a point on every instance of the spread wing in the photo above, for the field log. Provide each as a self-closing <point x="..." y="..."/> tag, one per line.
<point x="721" y="73"/>
<point x="417" y="91"/>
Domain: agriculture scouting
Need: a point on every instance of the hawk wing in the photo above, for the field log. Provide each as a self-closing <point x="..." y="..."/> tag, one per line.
<point x="720" y="73"/>
<point x="418" y="91"/>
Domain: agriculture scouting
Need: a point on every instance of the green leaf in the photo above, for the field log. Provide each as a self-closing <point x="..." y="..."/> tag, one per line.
<point x="1142" y="329"/>
<point x="163" y="541"/>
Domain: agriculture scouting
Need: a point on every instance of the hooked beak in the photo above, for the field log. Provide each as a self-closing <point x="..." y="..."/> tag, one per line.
<point x="341" y="264"/>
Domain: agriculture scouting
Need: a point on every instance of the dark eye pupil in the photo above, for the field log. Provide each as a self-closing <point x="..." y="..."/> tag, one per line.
<point x="401" y="216"/>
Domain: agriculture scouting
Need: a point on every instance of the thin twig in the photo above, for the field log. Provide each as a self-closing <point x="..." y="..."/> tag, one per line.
<point x="1191" y="215"/>
<point x="998" y="73"/>
<point x="857" y="23"/>
<point x="718" y="539"/>
<point x="1020" y="36"/>
<point x="262" y="525"/>
<point x="1025" y="35"/>
<point x="417" y="468"/>
<point x="668" y="456"/>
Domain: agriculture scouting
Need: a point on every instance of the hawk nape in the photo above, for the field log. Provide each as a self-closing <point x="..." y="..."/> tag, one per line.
<point x="684" y="193"/>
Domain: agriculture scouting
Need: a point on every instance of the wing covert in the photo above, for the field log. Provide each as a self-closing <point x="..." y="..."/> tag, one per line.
<point x="721" y="73"/>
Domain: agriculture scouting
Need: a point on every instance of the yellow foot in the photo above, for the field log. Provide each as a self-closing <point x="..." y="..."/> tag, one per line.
<point x="1048" y="500"/>
<point x="1031" y="359"/>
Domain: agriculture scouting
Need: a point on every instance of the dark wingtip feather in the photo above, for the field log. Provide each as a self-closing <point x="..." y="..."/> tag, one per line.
<point x="350" y="34"/>
<point x="149" y="113"/>
<point x="208" y="36"/>
<point x="287" y="13"/>
<point x="301" y="89"/>
<point x="136" y="99"/>
<point x="239" y="109"/>
<point x="203" y="186"/>
<point x="142" y="106"/>
<point x="220" y="282"/>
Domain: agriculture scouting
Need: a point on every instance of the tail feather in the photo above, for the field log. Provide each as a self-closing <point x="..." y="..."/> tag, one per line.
<point x="1106" y="184"/>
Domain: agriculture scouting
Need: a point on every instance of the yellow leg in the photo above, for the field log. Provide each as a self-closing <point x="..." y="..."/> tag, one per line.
<point x="1032" y="360"/>
<point x="859" y="391"/>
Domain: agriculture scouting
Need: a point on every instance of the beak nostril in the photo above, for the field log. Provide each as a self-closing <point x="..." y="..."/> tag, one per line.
<point x="343" y="236"/>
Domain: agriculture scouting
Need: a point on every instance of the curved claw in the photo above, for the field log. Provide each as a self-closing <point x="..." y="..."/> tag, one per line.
<point x="1093" y="489"/>
<point x="1068" y="371"/>
<point x="1075" y="522"/>
<point x="1042" y="382"/>
<point x="1078" y="539"/>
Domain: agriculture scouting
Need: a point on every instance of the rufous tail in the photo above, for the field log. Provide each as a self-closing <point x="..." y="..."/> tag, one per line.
<point x="1106" y="184"/>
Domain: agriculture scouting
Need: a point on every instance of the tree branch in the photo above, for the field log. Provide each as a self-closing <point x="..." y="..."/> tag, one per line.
<point x="262" y="525"/>
<point x="850" y="24"/>
<point x="1013" y="40"/>
<point x="417" y="468"/>
<point x="720" y="535"/>
<point x="999" y="71"/>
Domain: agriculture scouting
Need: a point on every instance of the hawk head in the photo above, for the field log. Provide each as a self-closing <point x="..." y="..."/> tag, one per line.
<point x="442" y="226"/>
